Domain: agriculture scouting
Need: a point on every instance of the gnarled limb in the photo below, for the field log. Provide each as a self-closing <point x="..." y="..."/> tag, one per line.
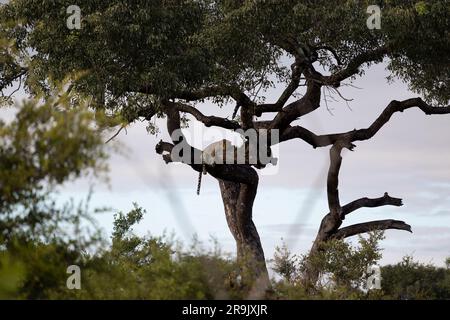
<point x="333" y="220"/>
<point x="287" y="93"/>
<point x="333" y="177"/>
<point x="353" y="66"/>
<point x="371" y="226"/>
<point x="331" y="223"/>
<point x="231" y="172"/>
<point x="361" y="134"/>
<point x="386" y="200"/>
<point x="307" y="104"/>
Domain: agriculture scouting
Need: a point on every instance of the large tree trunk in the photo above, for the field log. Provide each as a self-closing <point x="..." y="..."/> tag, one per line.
<point x="238" y="201"/>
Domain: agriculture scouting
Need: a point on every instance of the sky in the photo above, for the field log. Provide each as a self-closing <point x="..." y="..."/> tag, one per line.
<point x="409" y="158"/>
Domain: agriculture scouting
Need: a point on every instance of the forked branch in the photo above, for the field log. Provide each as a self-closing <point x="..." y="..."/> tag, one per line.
<point x="361" y="134"/>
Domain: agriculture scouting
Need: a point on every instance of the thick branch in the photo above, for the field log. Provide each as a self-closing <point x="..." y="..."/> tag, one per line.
<point x="236" y="173"/>
<point x="361" y="134"/>
<point x="307" y="104"/>
<point x="193" y="95"/>
<point x="393" y="107"/>
<point x="228" y="172"/>
<point x="287" y="93"/>
<point x="298" y="132"/>
<point x="206" y="120"/>
<point x="7" y="81"/>
<point x="386" y="200"/>
<point x="333" y="177"/>
<point x="371" y="226"/>
<point x="354" y="65"/>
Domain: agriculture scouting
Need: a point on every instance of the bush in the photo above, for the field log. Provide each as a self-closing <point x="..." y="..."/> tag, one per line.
<point x="343" y="269"/>
<point x="413" y="280"/>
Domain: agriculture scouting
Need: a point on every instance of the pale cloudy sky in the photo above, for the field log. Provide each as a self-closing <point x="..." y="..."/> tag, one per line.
<point x="409" y="158"/>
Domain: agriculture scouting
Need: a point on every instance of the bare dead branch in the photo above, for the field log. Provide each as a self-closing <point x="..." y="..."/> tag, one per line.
<point x="333" y="177"/>
<point x="362" y="134"/>
<point x="371" y="226"/>
<point x="386" y="200"/>
<point x="340" y="95"/>
<point x="393" y="107"/>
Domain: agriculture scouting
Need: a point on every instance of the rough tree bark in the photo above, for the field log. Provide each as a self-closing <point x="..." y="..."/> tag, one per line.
<point x="238" y="201"/>
<point x="238" y="185"/>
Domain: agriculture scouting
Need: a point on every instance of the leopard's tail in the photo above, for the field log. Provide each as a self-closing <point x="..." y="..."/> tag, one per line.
<point x="199" y="184"/>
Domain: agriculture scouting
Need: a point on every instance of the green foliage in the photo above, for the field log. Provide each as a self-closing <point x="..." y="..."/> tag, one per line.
<point x="413" y="280"/>
<point x="45" y="145"/>
<point x="343" y="268"/>
<point x="44" y="268"/>
<point x="421" y="34"/>
<point x="131" y="268"/>
<point x="344" y="274"/>
<point x="344" y="265"/>
<point x="284" y="263"/>
<point x="123" y="223"/>
<point x="134" y="267"/>
<point x="170" y="46"/>
<point x="155" y="268"/>
<point x="11" y="276"/>
<point x="49" y="141"/>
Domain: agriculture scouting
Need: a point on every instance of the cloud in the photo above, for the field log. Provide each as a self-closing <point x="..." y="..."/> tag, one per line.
<point x="442" y="213"/>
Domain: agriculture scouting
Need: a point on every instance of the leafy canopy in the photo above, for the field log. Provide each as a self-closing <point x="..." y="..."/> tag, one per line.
<point x="164" y="47"/>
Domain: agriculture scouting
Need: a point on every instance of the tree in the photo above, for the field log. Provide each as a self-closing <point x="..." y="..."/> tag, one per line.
<point x="144" y="59"/>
